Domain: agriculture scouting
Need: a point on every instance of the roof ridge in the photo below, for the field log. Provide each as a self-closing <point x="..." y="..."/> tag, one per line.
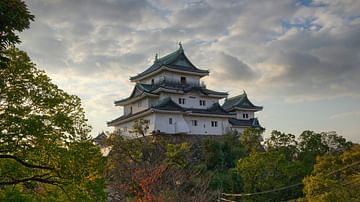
<point x="164" y="58"/>
<point x="217" y="106"/>
<point x="172" y="60"/>
<point x="237" y="96"/>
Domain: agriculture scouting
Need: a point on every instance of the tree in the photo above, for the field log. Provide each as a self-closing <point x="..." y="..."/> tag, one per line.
<point x="44" y="137"/>
<point x="263" y="171"/>
<point x="251" y="139"/>
<point x="219" y="156"/>
<point x="335" y="178"/>
<point x="283" y="143"/>
<point x="152" y="168"/>
<point x="14" y="16"/>
<point x="312" y="145"/>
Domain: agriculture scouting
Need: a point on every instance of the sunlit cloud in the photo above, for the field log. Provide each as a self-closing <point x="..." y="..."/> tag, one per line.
<point x="296" y="51"/>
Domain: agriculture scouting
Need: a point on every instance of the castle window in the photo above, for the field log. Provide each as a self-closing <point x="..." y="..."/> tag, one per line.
<point x="194" y="122"/>
<point x="202" y="103"/>
<point x="181" y="100"/>
<point x="213" y="123"/>
<point x="152" y="81"/>
<point x="170" y="121"/>
<point x="183" y="80"/>
<point x="245" y="116"/>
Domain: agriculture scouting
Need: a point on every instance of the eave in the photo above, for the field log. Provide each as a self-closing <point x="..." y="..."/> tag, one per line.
<point x="165" y="68"/>
<point x="134" y="99"/>
<point x="152" y="110"/>
<point x="255" y="109"/>
<point x="163" y="89"/>
<point x="213" y="95"/>
<point x="130" y="118"/>
<point x="207" y="114"/>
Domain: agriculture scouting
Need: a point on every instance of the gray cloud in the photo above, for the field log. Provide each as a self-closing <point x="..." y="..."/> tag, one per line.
<point x="323" y="62"/>
<point x="231" y="68"/>
<point x="269" y="47"/>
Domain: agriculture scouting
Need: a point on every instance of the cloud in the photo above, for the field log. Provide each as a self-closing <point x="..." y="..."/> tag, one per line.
<point x="351" y="114"/>
<point x="301" y="52"/>
<point x="322" y="62"/>
<point x="232" y="69"/>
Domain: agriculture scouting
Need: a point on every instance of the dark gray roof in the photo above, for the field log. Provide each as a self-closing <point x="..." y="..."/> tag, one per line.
<point x="253" y="122"/>
<point x="169" y="105"/>
<point x="100" y="138"/>
<point x="175" y="60"/>
<point x="214" y="109"/>
<point x="126" y="116"/>
<point x="240" y="101"/>
<point x="188" y="88"/>
<point x="139" y="89"/>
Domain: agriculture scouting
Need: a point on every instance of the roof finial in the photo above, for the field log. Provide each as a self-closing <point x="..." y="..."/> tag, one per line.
<point x="156" y="58"/>
<point x="244" y="92"/>
<point x="180" y="45"/>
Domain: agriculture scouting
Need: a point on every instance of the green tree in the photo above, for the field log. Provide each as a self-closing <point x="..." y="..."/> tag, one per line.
<point x="220" y="156"/>
<point x="14" y="17"/>
<point x="283" y="143"/>
<point x="251" y="139"/>
<point x="335" y="178"/>
<point x="45" y="143"/>
<point x="269" y="170"/>
<point x="312" y="145"/>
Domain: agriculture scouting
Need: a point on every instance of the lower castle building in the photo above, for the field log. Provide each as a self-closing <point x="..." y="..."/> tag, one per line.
<point x="171" y="99"/>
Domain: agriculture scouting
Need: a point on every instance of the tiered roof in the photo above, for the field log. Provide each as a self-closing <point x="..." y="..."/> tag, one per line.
<point x="240" y="102"/>
<point x="253" y="122"/>
<point x="167" y="104"/>
<point x="99" y="140"/>
<point x="176" y="61"/>
<point x="154" y="90"/>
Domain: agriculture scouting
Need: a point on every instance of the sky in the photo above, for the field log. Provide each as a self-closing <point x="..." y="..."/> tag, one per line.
<point x="300" y="59"/>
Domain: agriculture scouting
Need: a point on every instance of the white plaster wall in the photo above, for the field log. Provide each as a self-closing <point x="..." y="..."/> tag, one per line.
<point x="172" y="77"/>
<point x="179" y="125"/>
<point x="176" y="77"/>
<point x="157" y="78"/>
<point x="204" y="125"/>
<point x="239" y="114"/>
<point x="192" y="100"/>
<point x="129" y="126"/>
<point x="145" y="103"/>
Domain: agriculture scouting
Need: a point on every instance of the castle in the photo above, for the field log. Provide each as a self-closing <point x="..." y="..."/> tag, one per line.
<point x="171" y="99"/>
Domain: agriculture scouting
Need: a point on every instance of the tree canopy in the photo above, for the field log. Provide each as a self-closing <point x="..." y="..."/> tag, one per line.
<point x="44" y="136"/>
<point x="45" y="148"/>
<point x="14" y="16"/>
<point x="335" y="178"/>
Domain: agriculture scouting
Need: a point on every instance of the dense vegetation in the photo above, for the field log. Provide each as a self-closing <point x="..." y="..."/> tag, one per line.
<point x="46" y="153"/>
<point x="159" y="168"/>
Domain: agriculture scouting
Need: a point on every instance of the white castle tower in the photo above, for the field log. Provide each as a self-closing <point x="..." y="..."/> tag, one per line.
<point x="172" y="100"/>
